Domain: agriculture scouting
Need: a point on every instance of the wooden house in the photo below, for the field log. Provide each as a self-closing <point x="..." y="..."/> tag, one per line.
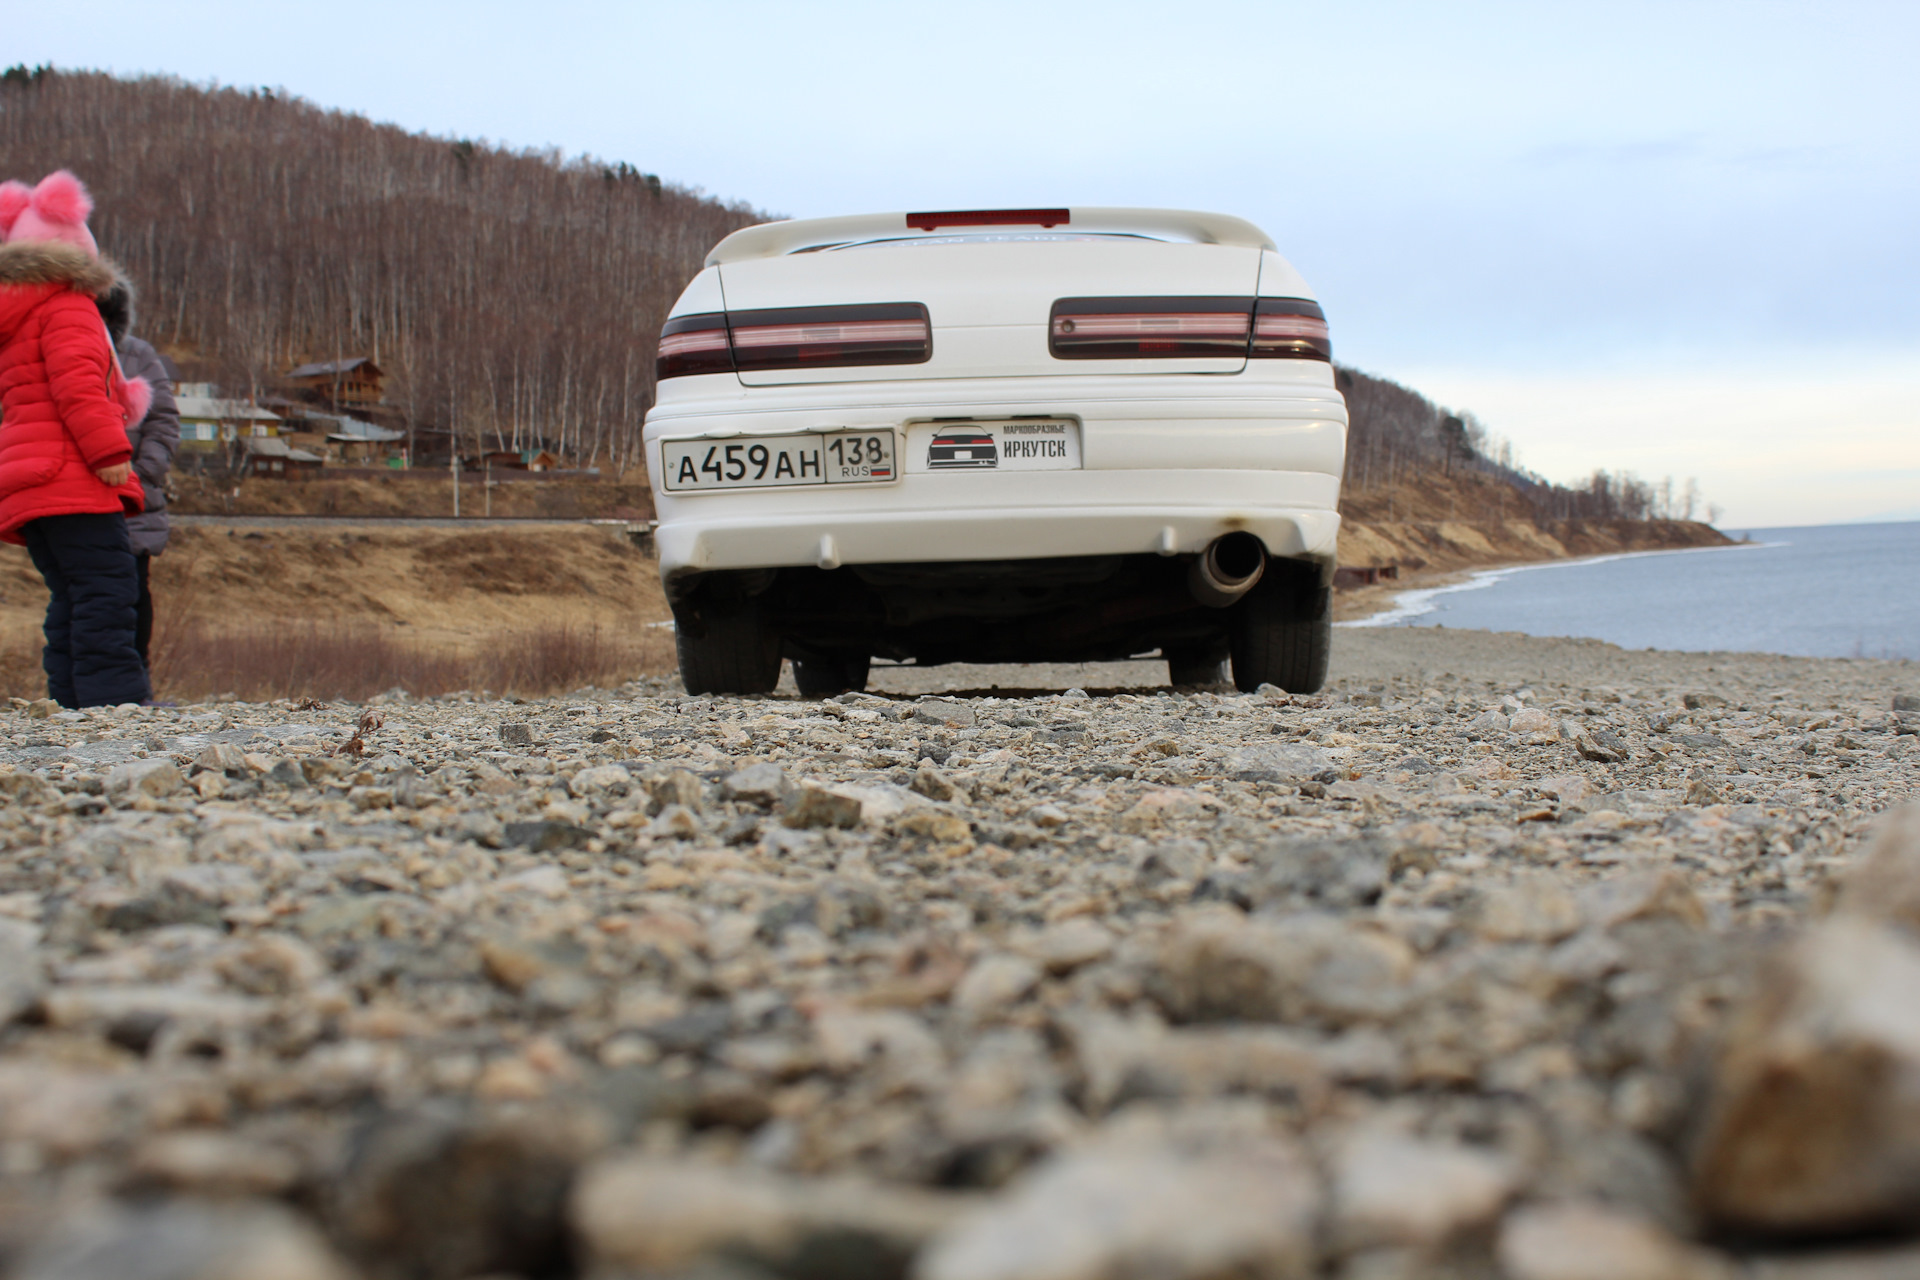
<point x="353" y="383"/>
<point x="275" y="459"/>
<point x="363" y="442"/>
<point x="208" y="422"/>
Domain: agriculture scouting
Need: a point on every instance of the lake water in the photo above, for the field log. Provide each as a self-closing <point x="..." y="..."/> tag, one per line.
<point x="1831" y="591"/>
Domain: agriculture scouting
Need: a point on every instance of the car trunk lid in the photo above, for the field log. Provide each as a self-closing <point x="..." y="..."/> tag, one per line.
<point x="989" y="298"/>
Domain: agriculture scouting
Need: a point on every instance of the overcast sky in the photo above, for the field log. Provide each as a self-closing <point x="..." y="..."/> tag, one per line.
<point x="1674" y="238"/>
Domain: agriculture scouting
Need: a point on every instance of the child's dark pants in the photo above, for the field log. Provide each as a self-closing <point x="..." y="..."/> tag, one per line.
<point x="88" y="566"/>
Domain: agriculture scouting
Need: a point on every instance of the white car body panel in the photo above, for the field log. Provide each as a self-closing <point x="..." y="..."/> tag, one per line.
<point x="1174" y="453"/>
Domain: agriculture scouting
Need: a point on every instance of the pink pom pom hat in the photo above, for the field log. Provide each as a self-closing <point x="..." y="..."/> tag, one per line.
<point x="56" y="211"/>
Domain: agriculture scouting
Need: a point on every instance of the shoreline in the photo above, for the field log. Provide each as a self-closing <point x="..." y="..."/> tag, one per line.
<point x="1434" y="554"/>
<point x="1383" y="602"/>
<point x="1740" y="606"/>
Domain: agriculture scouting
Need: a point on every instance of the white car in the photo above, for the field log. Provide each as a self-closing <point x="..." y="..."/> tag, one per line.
<point x="1025" y="435"/>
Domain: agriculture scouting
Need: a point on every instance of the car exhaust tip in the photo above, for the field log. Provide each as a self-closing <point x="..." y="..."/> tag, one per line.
<point x="1227" y="569"/>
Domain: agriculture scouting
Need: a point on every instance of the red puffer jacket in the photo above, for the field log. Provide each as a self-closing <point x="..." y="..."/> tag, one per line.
<point x="64" y="405"/>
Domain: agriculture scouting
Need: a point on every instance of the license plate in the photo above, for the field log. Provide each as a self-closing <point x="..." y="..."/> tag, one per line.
<point x="760" y="462"/>
<point x="1018" y="444"/>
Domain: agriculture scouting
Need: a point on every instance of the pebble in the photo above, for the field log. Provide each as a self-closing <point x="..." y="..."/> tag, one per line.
<point x="184" y="1240"/>
<point x="152" y="779"/>
<point x="1584" y="1241"/>
<point x="1495" y="946"/>
<point x="1534" y="906"/>
<point x="818" y="806"/>
<point x="1814" y="1105"/>
<point x="1393" y="1190"/>
<point x="1282" y="763"/>
<point x="1146" y="1210"/>
<point x="649" y="1215"/>
<point x="993" y="983"/>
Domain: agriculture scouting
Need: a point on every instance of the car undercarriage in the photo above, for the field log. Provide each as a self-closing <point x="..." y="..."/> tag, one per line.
<point x="1063" y="609"/>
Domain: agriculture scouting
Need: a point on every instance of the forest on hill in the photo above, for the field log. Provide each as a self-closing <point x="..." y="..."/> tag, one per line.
<point x="515" y="297"/>
<point x="511" y="296"/>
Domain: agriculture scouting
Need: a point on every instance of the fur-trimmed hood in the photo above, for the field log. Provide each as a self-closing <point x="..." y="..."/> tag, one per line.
<point x="31" y="262"/>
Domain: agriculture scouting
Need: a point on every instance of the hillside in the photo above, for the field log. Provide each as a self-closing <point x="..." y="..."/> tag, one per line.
<point x="1409" y="458"/>
<point x="513" y="297"/>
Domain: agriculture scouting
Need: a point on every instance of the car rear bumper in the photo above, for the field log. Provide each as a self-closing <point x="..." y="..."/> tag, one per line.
<point x="1168" y="465"/>
<point x="1000" y="517"/>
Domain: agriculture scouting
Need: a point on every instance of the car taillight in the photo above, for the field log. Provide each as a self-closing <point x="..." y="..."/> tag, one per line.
<point x="1160" y="328"/>
<point x="694" y="344"/>
<point x="796" y="338"/>
<point x="830" y="337"/>
<point x="1290" y="329"/>
<point x="1149" y="328"/>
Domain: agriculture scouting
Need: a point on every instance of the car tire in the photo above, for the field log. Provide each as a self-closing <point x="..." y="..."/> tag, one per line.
<point x="729" y="649"/>
<point x="1282" y="632"/>
<point x="1196" y="667"/>
<point x="838" y="673"/>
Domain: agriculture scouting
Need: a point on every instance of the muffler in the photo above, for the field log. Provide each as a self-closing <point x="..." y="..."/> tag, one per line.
<point x="1227" y="569"/>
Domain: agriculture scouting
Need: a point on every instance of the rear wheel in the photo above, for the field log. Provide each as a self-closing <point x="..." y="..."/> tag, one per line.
<point x="835" y="673"/>
<point x="727" y="648"/>
<point x="1283" y="631"/>
<point x="1196" y="666"/>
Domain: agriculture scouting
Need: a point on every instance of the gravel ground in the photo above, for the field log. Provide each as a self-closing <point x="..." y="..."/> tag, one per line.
<point x="1500" y="958"/>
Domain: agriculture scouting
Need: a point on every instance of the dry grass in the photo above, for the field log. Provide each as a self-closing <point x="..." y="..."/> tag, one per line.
<point x="355" y="660"/>
<point x="332" y="613"/>
<point x="20" y="674"/>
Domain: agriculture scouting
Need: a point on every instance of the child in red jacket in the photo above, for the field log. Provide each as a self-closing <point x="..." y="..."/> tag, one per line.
<point x="66" y="485"/>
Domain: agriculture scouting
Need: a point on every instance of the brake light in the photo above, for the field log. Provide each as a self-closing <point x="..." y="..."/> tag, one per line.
<point x="988" y="218"/>
<point x="831" y="337"/>
<point x="694" y="344"/>
<point x="796" y="338"/>
<point x="1176" y="328"/>
<point x="1290" y="329"/>
<point x="1149" y="328"/>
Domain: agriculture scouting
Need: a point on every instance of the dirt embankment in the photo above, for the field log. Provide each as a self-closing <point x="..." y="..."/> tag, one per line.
<point x="1445" y="525"/>
<point x="1425" y="546"/>
<point x="453" y="593"/>
<point x="449" y="586"/>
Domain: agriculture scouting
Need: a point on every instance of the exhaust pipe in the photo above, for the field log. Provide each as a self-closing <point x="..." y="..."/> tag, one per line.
<point x="1227" y="569"/>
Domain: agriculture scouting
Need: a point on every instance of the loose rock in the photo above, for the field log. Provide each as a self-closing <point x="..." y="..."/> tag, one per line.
<point x="1391" y="1190"/>
<point x="1589" y="1242"/>
<point x="1813" y="1114"/>
<point x="817" y="806"/>
<point x="150" y="778"/>
<point x="1111" y="1214"/>
<point x="653" y="1216"/>
<point x="184" y="1241"/>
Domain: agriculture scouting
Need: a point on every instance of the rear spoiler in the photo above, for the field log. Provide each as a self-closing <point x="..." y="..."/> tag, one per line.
<point x="776" y="239"/>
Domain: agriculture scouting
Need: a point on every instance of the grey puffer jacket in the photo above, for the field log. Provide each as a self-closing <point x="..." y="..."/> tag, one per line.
<point x="154" y="439"/>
